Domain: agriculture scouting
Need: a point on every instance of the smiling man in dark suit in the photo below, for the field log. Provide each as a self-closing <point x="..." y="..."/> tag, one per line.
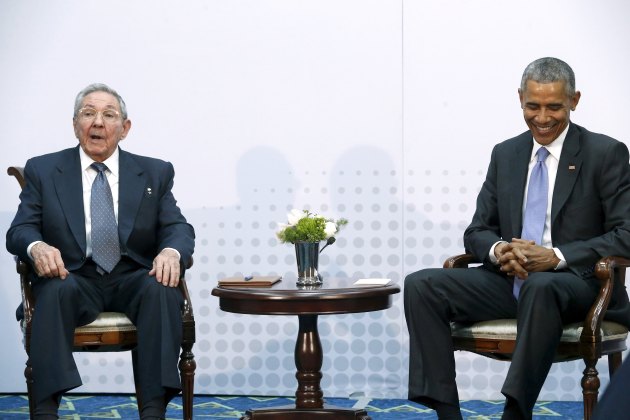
<point x="555" y="200"/>
<point x="102" y="231"/>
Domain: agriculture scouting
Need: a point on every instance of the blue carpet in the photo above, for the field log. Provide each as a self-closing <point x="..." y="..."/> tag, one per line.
<point x="77" y="407"/>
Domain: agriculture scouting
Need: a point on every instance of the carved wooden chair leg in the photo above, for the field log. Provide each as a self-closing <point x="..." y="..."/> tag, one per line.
<point x="187" y="366"/>
<point x="28" y="374"/>
<point x="590" y="387"/>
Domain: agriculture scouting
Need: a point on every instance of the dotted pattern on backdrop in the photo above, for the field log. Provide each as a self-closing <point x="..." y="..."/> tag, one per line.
<point x="386" y="237"/>
<point x="254" y="354"/>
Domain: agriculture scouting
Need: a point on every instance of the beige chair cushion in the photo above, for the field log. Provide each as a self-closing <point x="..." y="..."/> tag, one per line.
<point x="107" y="321"/>
<point x="104" y="323"/>
<point x="505" y="329"/>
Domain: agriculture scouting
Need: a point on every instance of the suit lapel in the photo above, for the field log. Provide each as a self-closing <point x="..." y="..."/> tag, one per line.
<point x="568" y="170"/>
<point x="519" y="165"/>
<point x="68" y="182"/>
<point x="130" y="194"/>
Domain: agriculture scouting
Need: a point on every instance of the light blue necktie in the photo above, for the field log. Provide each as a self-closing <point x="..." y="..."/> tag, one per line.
<point x="536" y="206"/>
<point x="105" y="243"/>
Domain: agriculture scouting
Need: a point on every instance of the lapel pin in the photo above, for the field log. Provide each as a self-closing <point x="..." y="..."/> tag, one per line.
<point x="149" y="191"/>
<point x="572" y="167"/>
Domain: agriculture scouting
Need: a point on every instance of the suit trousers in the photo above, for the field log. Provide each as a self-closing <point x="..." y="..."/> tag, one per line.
<point x="63" y="305"/>
<point x="435" y="297"/>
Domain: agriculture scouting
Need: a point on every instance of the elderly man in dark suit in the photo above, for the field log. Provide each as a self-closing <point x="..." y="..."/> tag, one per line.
<point x="102" y="231"/>
<point x="556" y="199"/>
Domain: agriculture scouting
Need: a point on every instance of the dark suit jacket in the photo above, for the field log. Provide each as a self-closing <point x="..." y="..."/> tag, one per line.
<point x="51" y="209"/>
<point x="590" y="209"/>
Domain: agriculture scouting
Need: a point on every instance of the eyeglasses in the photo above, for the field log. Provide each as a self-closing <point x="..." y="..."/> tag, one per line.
<point x="90" y="114"/>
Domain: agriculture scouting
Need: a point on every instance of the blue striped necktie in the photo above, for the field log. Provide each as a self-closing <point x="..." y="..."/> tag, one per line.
<point x="536" y="206"/>
<point x="105" y="242"/>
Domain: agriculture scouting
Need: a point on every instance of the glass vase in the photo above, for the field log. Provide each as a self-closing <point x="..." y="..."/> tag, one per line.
<point x="307" y="256"/>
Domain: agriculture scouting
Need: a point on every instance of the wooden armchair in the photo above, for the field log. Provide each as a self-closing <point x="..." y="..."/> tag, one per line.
<point x="588" y="340"/>
<point x="111" y="331"/>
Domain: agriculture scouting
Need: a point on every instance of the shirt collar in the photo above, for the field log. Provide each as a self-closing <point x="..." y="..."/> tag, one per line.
<point x="555" y="147"/>
<point x="111" y="162"/>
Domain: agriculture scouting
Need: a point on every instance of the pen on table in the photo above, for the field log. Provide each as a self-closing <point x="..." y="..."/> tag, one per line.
<point x="248" y="278"/>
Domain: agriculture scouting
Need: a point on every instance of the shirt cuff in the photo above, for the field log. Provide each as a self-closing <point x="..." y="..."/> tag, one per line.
<point x="28" y="250"/>
<point x="563" y="263"/>
<point x="178" y="254"/>
<point x="493" y="258"/>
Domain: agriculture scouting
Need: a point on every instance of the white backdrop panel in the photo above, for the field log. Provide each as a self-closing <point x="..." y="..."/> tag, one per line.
<point x="383" y="112"/>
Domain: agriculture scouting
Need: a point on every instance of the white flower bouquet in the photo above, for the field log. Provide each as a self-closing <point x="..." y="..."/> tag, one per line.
<point x="304" y="226"/>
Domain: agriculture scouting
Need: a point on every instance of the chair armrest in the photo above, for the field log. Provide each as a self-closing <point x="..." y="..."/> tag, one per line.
<point x="608" y="270"/>
<point x="187" y="311"/>
<point x="28" y="303"/>
<point x="188" y="319"/>
<point x="460" y="261"/>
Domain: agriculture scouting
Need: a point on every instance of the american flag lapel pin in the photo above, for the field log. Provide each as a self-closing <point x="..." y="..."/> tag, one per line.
<point x="572" y="167"/>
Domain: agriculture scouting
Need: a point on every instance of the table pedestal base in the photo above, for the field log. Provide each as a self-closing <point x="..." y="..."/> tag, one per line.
<point x="334" y="297"/>
<point x="290" y="412"/>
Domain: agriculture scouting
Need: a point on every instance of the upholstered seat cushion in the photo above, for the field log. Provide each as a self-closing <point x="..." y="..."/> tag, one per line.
<point x="505" y="329"/>
<point x="108" y="321"/>
<point x="105" y="322"/>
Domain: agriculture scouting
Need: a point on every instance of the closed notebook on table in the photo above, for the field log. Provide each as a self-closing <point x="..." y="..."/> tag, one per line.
<point x="254" y="281"/>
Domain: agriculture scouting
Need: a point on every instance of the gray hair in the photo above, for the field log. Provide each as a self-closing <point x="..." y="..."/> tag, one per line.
<point x="99" y="87"/>
<point x="549" y="70"/>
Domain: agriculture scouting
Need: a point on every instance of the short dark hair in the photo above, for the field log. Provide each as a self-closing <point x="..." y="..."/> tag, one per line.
<point x="548" y="70"/>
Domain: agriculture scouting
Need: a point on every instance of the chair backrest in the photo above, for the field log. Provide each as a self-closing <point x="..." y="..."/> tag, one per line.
<point x="18" y="173"/>
<point x="22" y="268"/>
